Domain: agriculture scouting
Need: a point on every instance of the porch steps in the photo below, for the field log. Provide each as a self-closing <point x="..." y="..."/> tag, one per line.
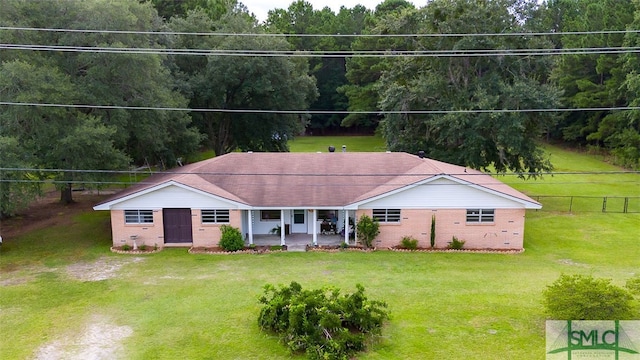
<point x="296" y="247"/>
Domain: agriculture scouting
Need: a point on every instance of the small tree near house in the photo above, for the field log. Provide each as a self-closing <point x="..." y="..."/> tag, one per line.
<point x="368" y="229"/>
<point x="433" y="231"/>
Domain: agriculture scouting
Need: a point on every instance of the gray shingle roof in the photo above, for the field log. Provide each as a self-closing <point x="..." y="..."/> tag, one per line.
<point x="312" y="179"/>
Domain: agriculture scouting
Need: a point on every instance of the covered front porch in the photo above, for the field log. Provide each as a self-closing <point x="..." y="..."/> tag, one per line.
<point x="298" y="227"/>
<point x="298" y="241"/>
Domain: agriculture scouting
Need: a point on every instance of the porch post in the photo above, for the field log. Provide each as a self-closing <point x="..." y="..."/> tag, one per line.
<point x="250" y="226"/>
<point x="346" y="226"/>
<point x="355" y="231"/>
<point x="282" y="228"/>
<point x="315" y="227"/>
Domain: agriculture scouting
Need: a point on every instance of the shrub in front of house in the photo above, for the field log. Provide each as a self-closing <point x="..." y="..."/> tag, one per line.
<point x="231" y="238"/>
<point x="633" y="285"/>
<point x="409" y="243"/>
<point x="321" y="322"/>
<point x="456" y="244"/>
<point x="368" y="229"/>
<point x="579" y="297"/>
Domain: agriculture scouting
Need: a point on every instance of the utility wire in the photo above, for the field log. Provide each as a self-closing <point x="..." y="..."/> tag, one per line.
<point x="223" y="34"/>
<point x="143" y="182"/>
<point x="323" y="174"/>
<point x="314" y="112"/>
<point x="327" y="54"/>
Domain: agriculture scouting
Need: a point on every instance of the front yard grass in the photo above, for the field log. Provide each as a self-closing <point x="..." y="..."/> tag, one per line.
<point x="442" y="305"/>
<point x="454" y="306"/>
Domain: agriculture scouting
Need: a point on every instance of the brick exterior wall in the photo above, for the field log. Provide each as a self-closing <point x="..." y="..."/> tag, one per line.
<point x="204" y="235"/>
<point x="506" y="232"/>
<point x="208" y="235"/>
<point x="147" y="234"/>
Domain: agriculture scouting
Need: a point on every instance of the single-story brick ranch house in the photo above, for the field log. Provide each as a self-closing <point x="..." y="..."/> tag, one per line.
<point x="305" y="192"/>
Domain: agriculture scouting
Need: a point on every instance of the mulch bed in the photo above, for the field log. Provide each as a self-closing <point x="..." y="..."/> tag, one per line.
<point x="338" y="248"/>
<point x="220" y="251"/>
<point x="477" y="251"/>
<point x="147" y="250"/>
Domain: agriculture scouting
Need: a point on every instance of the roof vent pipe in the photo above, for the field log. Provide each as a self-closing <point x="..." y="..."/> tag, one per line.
<point x="421" y="154"/>
<point x="344" y="148"/>
<point x="332" y="148"/>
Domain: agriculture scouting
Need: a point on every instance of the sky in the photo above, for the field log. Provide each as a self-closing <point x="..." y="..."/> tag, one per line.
<point x="261" y="7"/>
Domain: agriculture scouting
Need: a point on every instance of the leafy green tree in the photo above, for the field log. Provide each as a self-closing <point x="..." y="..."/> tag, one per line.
<point x="623" y="134"/>
<point x="363" y="73"/>
<point x="243" y="82"/>
<point x="504" y="140"/>
<point x="591" y="79"/>
<point x="213" y="8"/>
<point x="54" y="137"/>
<point x="578" y="297"/>
<point x="119" y="80"/>
<point x="301" y="18"/>
<point x="17" y="188"/>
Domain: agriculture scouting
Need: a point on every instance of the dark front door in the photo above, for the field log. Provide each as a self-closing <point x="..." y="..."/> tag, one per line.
<point x="177" y="225"/>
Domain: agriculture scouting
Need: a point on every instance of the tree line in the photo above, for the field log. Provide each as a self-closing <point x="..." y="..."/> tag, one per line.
<point x="375" y="70"/>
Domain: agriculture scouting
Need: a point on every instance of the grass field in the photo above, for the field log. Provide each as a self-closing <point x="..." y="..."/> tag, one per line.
<point x="176" y="305"/>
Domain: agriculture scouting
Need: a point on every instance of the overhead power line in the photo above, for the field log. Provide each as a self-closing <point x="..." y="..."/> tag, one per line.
<point x="225" y="34"/>
<point x="318" y="112"/>
<point x="176" y="171"/>
<point x="327" y="54"/>
<point x="143" y="182"/>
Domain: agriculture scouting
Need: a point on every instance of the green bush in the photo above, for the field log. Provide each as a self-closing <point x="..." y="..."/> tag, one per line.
<point x="126" y="247"/>
<point x="633" y="285"/>
<point x="456" y="244"/>
<point x="409" y="243"/>
<point x="579" y="297"/>
<point x="322" y="323"/>
<point x="231" y="238"/>
<point x="368" y="229"/>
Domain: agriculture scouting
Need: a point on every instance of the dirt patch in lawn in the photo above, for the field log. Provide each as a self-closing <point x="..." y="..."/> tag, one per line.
<point x="101" y="269"/>
<point x="99" y="339"/>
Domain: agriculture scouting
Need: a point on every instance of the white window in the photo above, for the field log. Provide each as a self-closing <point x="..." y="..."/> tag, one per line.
<point x="386" y="215"/>
<point x="480" y="215"/>
<point x="215" y="216"/>
<point x="138" y="216"/>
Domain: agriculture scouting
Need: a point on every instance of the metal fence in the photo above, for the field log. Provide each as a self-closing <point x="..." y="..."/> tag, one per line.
<point x="605" y="204"/>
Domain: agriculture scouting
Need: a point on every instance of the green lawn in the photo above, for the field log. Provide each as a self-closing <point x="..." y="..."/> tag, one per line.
<point x="322" y="143"/>
<point x="443" y="305"/>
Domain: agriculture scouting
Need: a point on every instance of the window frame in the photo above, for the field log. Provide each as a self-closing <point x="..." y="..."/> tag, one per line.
<point x="215" y="216"/>
<point x="138" y="217"/>
<point x="268" y="217"/>
<point x="387" y="216"/>
<point x="480" y="216"/>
